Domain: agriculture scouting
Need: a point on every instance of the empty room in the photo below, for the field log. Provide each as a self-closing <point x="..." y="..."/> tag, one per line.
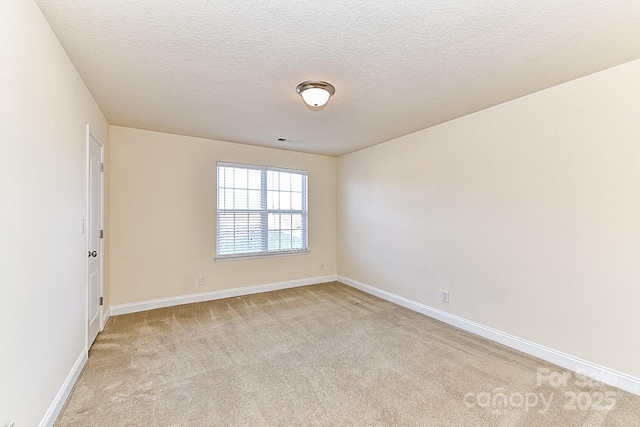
<point x="337" y="213"/>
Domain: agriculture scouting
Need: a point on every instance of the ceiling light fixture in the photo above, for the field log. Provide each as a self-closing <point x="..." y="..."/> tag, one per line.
<point x="315" y="93"/>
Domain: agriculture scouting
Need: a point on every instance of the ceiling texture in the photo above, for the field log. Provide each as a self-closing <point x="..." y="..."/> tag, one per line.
<point x="227" y="70"/>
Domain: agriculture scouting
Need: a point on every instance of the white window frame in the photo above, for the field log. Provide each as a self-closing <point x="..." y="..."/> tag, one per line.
<point x="264" y="213"/>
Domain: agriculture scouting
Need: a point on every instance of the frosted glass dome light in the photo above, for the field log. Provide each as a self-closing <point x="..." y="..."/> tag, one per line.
<point x="315" y="93"/>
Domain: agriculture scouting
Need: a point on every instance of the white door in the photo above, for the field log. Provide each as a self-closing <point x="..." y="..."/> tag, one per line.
<point x="94" y="236"/>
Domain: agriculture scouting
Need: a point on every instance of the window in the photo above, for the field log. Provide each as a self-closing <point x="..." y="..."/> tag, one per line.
<point x="261" y="211"/>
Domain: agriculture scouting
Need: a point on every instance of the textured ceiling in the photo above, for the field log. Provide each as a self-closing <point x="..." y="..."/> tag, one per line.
<point x="228" y="70"/>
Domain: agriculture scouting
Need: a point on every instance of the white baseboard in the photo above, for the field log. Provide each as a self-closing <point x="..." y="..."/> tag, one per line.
<point x="214" y="295"/>
<point x="580" y="366"/>
<point x="60" y="399"/>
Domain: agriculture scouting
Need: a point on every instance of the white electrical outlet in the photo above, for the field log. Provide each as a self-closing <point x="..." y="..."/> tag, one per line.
<point x="445" y="296"/>
<point x="321" y="267"/>
<point x="201" y="281"/>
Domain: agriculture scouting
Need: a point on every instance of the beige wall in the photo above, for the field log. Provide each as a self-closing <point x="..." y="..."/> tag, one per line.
<point x="44" y="109"/>
<point x="528" y="213"/>
<point x="163" y="222"/>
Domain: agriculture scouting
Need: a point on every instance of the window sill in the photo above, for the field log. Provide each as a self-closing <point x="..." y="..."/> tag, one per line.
<point x="225" y="258"/>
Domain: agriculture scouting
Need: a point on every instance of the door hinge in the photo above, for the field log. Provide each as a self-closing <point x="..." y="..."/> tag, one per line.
<point x="101" y="300"/>
<point x="101" y="167"/>
<point x="101" y="234"/>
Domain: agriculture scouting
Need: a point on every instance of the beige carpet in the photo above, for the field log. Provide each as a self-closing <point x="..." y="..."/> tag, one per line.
<point x="323" y="355"/>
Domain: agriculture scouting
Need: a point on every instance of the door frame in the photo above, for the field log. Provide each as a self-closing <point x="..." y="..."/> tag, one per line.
<point x="89" y="138"/>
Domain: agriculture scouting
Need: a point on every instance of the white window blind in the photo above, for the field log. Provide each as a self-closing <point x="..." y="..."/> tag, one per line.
<point x="261" y="210"/>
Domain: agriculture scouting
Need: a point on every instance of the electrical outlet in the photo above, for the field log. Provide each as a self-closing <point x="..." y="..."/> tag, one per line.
<point x="201" y="281"/>
<point x="445" y="296"/>
<point x="321" y="267"/>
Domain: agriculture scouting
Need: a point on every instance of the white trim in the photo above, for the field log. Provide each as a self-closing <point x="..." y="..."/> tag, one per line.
<point x="260" y="167"/>
<point x="238" y="257"/>
<point x="89" y="137"/>
<point x="60" y="399"/>
<point x="214" y="295"/>
<point x="85" y="230"/>
<point x="583" y="367"/>
<point x="255" y="215"/>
